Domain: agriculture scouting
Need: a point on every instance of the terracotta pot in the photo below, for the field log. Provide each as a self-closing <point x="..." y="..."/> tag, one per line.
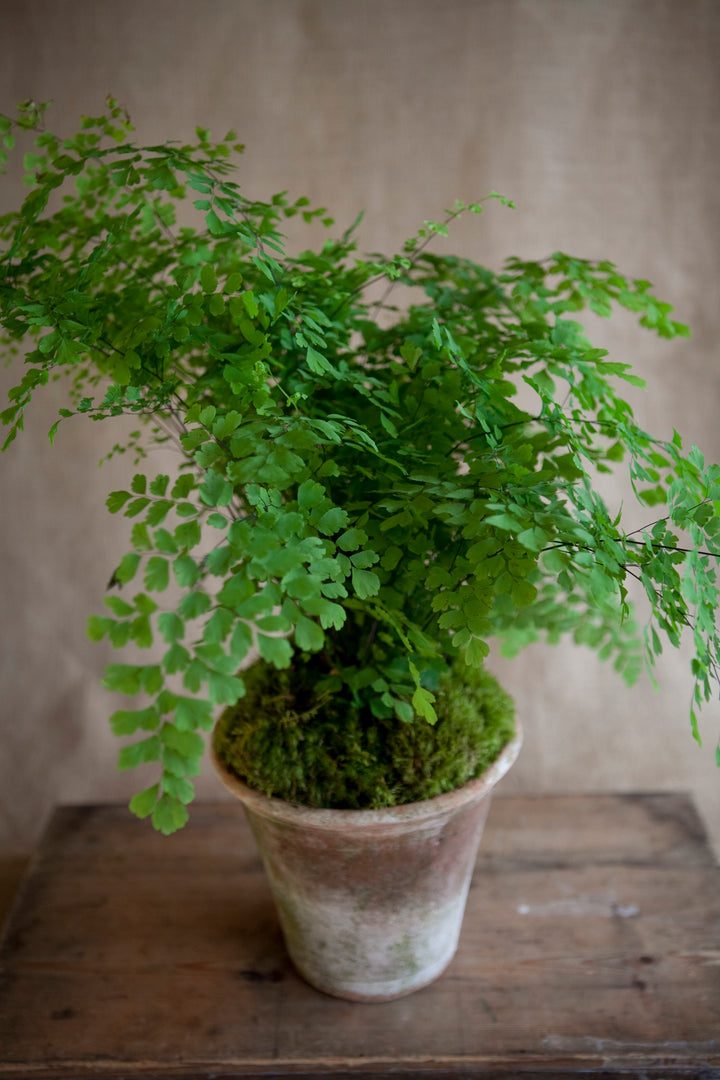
<point x="371" y="901"/>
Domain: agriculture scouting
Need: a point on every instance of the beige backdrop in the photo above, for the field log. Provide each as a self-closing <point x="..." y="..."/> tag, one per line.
<point x="599" y="117"/>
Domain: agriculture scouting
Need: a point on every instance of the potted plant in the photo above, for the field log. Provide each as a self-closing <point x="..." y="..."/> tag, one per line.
<point x="362" y="495"/>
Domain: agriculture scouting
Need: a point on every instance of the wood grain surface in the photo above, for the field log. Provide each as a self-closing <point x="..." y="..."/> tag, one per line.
<point x="591" y="946"/>
<point x="12" y="871"/>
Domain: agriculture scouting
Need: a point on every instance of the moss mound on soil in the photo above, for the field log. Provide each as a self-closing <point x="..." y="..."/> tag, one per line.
<point x="286" y="741"/>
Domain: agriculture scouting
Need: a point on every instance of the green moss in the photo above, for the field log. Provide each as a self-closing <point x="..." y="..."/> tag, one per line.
<point x="286" y="741"/>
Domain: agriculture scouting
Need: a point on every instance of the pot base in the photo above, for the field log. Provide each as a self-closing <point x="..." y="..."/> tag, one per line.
<point x="347" y="948"/>
<point x="371" y="995"/>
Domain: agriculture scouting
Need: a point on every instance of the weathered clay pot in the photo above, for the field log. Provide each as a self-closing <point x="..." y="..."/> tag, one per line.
<point x="371" y="901"/>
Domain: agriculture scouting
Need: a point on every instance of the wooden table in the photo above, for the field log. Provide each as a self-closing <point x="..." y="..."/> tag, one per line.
<point x="591" y="945"/>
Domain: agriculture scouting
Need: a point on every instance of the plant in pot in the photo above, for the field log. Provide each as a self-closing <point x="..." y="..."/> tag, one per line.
<point x="383" y="464"/>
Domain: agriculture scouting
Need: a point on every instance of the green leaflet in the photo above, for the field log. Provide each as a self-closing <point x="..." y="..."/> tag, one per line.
<point x="276" y="650"/>
<point x="140" y="753"/>
<point x="144" y="802"/>
<point x="157" y="573"/>
<point x="191" y="713"/>
<point x="128" y="721"/>
<point x="127" y="569"/>
<point x="215" y="490"/>
<point x="308" y="634"/>
<point x="365" y="583"/>
<point x="169" y="815"/>
<point x="186" y="570"/>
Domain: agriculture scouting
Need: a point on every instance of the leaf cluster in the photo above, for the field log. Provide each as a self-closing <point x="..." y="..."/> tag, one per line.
<point x="358" y="482"/>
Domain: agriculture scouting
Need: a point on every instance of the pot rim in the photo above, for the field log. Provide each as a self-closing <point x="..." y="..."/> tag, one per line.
<point x="320" y="817"/>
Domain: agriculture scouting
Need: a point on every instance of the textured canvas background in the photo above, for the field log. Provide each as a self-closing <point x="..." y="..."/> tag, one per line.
<point x="599" y="117"/>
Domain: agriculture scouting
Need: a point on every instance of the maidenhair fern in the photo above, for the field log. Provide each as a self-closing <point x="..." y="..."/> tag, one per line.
<point x="356" y="481"/>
